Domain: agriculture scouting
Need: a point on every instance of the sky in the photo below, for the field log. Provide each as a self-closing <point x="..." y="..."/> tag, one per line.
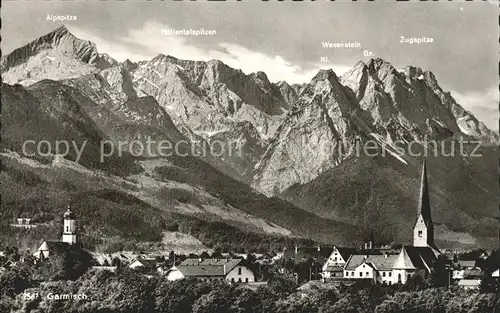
<point x="284" y="39"/>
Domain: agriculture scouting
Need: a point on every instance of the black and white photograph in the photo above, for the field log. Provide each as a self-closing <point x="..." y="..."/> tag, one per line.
<point x="249" y="156"/>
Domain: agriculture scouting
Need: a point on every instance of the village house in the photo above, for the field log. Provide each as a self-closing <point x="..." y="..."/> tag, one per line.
<point x="49" y="247"/>
<point x="376" y="268"/>
<point x="140" y="262"/>
<point x="334" y="265"/>
<point x="463" y="269"/>
<point x="212" y="269"/>
<point x="146" y="265"/>
<point x="301" y="254"/>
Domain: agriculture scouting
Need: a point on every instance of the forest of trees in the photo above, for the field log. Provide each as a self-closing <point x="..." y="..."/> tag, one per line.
<point x="128" y="291"/>
<point x="221" y="236"/>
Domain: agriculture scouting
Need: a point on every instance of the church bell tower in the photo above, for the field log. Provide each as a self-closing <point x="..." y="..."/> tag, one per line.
<point x="423" y="233"/>
<point x="69" y="227"/>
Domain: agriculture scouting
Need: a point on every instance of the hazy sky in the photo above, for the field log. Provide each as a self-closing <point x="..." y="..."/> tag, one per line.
<point x="284" y="39"/>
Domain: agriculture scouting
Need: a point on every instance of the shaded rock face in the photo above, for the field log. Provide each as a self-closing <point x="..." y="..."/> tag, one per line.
<point x="209" y="98"/>
<point x="120" y="80"/>
<point x="288" y="93"/>
<point x="313" y="138"/>
<point x="212" y="91"/>
<point x="123" y="115"/>
<point x="371" y="101"/>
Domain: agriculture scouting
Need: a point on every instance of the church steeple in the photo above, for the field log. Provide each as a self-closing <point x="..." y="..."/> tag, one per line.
<point x="69" y="227"/>
<point x="423" y="233"/>
<point x="424" y="204"/>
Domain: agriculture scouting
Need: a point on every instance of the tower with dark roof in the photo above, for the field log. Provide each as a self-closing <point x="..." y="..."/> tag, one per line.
<point x="423" y="233"/>
<point x="69" y="227"/>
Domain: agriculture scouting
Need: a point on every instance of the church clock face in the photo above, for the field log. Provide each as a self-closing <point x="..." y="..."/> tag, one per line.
<point x="420" y="233"/>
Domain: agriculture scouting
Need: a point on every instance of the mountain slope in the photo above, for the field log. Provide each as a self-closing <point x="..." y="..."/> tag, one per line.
<point x="51" y="112"/>
<point x="382" y="200"/>
<point x="107" y="206"/>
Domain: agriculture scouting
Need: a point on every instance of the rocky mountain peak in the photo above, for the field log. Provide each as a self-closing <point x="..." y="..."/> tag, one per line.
<point x="164" y="58"/>
<point x="412" y="71"/>
<point x="325" y="74"/>
<point x="260" y="76"/>
<point x="377" y="64"/>
<point x="430" y="79"/>
<point x="356" y="79"/>
<point x="377" y="68"/>
<point x="325" y="82"/>
<point x="56" y="55"/>
<point x="381" y="68"/>
<point x="288" y="93"/>
<point x="129" y="65"/>
<point x="60" y="39"/>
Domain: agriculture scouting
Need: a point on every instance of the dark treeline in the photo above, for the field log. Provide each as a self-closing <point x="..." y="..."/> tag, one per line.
<point x="226" y="238"/>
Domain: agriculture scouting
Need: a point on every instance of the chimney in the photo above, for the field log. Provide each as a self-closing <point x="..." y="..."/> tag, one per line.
<point x="319" y="248"/>
<point x="370" y="245"/>
<point x="296" y="249"/>
<point x="366" y="246"/>
<point x="224" y="269"/>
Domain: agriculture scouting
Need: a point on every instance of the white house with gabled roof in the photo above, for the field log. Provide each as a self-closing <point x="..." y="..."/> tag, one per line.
<point x="212" y="269"/>
<point x="335" y="263"/>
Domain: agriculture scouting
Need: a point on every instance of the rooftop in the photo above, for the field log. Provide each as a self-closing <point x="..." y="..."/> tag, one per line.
<point x="207" y="267"/>
<point x="379" y="262"/>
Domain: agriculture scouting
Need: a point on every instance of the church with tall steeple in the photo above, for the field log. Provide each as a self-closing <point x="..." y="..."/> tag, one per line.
<point x="417" y="259"/>
<point x="69" y="227"/>
<point x="423" y="232"/>
<point x="68" y="239"/>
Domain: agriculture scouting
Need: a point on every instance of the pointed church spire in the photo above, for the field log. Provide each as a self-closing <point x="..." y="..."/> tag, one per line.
<point x="424" y="205"/>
